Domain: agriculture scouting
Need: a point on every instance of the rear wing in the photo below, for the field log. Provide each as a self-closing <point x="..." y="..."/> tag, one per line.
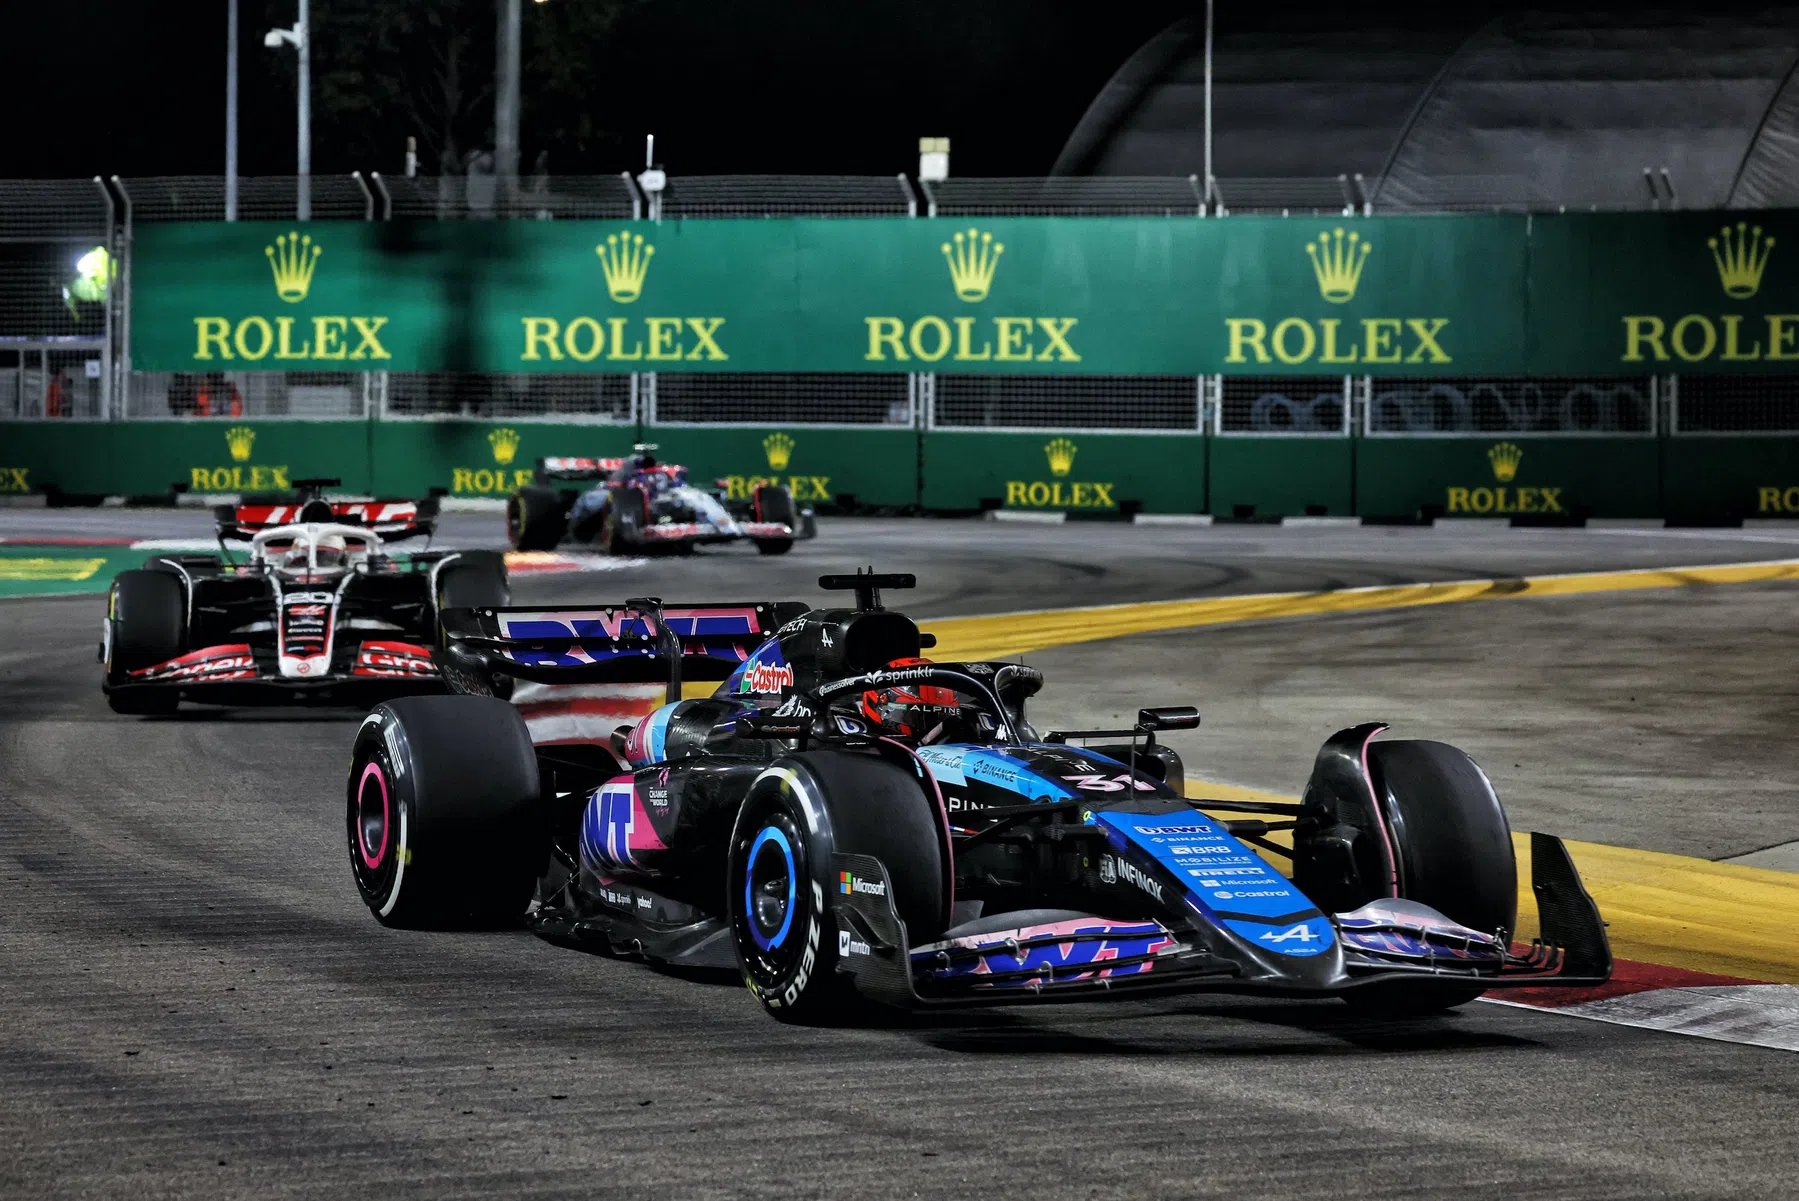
<point x="576" y="471"/>
<point x="636" y="642"/>
<point x="392" y="519"/>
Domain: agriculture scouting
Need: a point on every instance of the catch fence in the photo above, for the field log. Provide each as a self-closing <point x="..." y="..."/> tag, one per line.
<point x="65" y="286"/>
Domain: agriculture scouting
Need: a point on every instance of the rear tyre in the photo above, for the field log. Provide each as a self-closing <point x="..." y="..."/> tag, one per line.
<point x="1455" y="854"/>
<point x="774" y="503"/>
<point x="475" y="579"/>
<point x="147" y="624"/>
<point x="774" y="546"/>
<point x="444" y="818"/>
<point x="535" y="519"/>
<point x="779" y="876"/>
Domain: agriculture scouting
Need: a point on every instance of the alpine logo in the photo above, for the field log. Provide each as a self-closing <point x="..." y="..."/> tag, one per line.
<point x="1300" y="933"/>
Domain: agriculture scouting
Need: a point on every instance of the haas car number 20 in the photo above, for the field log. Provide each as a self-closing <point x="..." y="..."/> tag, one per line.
<point x="843" y="820"/>
<point x="316" y="612"/>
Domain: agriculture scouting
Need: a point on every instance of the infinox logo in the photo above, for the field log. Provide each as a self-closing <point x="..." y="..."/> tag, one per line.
<point x="315" y="337"/>
<point x="1739" y="254"/>
<point x="1337" y="258"/>
<point x="584" y="337"/>
<point x="494" y="481"/>
<point x="973" y="261"/>
<point x="1505" y="459"/>
<point x="1059" y="455"/>
<point x="241" y="475"/>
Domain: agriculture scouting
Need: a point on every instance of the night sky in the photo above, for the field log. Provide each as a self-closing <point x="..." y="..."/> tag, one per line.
<point x="801" y="86"/>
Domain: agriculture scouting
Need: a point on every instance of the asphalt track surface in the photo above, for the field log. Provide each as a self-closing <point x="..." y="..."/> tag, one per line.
<point x="193" y="1001"/>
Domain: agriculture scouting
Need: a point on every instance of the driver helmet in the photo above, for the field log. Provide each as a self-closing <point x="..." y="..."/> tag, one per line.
<point x="331" y="555"/>
<point x="915" y="712"/>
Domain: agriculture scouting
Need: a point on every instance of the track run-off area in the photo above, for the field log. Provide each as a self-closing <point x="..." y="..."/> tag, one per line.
<point x="193" y="1000"/>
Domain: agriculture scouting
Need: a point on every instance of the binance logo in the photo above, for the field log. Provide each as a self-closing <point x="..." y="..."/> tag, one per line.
<point x="626" y="261"/>
<point x="1061" y="456"/>
<point x="1337" y="261"/>
<point x="779" y="449"/>
<point x="1505" y="458"/>
<point x="505" y="445"/>
<point x="973" y="258"/>
<point x="292" y="258"/>
<point x="240" y="438"/>
<point x="1740" y="259"/>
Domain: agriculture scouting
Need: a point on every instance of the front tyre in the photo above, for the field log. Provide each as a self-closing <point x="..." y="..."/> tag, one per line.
<point x="146" y="625"/>
<point x="535" y="519"/>
<point x="444" y="819"/>
<point x="1455" y="854"/>
<point x="778" y="913"/>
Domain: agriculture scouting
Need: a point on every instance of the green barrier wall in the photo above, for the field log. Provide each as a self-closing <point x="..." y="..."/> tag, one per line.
<point x="1534" y="478"/>
<point x="1440" y="295"/>
<point x="1076" y="471"/>
<point x="1695" y="478"/>
<point x="1282" y="476"/>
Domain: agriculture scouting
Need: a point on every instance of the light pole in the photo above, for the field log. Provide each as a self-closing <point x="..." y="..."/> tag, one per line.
<point x="505" y="104"/>
<point x="1208" y="184"/>
<point x="300" y="38"/>
<point x="231" y="113"/>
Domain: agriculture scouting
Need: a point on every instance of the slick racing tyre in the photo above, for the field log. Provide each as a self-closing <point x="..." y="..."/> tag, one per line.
<point x="774" y="503"/>
<point x="146" y="625"/>
<point x="445" y="822"/>
<point x="626" y="513"/>
<point x="535" y="519"/>
<point x="1455" y="854"/>
<point x="474" y="579"/>
<point x="780" y="881"/>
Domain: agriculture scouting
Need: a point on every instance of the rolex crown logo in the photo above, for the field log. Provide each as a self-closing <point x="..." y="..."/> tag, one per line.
<point x="1505" y="457"/>
<point x="972" y="261"/>
<point x="1061" y="456"/>
<point x="1337" y="262"/>
<point x="625" y="260"/>
<point x="240" y="438"/>
<point x="292" y="259"/>
<point x="779" y="449"/>
<point x="505" y="445"/>
<point x="1740" y="258"/>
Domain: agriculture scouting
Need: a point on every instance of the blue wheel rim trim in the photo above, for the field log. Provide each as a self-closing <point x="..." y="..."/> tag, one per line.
<point x="769" y="834"/>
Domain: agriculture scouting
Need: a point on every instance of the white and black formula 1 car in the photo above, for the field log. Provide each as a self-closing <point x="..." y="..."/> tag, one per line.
<point x="844" y="820"/>
<point x="638" y="505"/>
<point x="317" y="611"/>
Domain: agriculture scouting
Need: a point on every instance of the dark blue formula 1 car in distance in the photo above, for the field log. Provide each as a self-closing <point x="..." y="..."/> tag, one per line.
<point x="638" y="505"/>
<point x="843" y="819"/>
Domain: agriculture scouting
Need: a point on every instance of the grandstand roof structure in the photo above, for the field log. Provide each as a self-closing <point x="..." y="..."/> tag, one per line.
<point x="1465" y="106"/>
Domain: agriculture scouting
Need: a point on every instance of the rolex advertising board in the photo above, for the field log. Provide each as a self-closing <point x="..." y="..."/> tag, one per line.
<point x="1433" y="295"/>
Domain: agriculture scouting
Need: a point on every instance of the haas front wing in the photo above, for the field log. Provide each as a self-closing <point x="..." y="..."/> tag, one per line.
<point x="313" y="653"/>
<point x="1213" y="917"/>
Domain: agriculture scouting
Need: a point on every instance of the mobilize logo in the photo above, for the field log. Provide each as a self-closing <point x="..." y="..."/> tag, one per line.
<point x="848" y="883"/>
<point x="973" y="260"/>
<point x="625" y="267"/>
<point x="292" y="259"/>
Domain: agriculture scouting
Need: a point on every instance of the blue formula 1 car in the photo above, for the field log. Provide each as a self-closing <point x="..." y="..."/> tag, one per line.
<point x="637" y="505"/>
<point x="844" y="820"/>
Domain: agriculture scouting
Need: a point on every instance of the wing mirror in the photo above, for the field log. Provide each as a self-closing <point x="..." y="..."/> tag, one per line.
<point x="1168" y="717"/>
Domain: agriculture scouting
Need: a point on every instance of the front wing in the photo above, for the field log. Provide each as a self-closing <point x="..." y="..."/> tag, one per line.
<point x="1081" y="958"/>
<point x="238" y="674"/>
